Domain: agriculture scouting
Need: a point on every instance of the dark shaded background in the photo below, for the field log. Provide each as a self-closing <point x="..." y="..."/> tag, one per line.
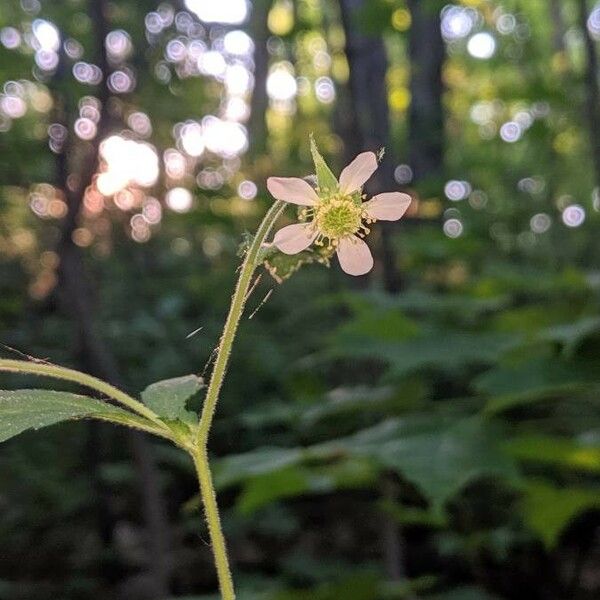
<point x="429" y="431"/>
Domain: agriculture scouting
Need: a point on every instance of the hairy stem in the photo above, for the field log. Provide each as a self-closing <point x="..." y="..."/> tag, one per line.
<point x="233" y="318"/>
<point x="200" y="454"/>
<point x="211" y="511"/>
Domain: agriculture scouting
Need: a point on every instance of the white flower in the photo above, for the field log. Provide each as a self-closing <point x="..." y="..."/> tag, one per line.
<point x="337" y="217"/>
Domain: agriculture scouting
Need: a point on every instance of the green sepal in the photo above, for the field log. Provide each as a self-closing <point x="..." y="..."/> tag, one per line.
<point x="325" y="178"/>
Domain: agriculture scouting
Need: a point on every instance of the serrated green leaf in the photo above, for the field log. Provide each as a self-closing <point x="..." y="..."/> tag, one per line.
<point x="325" y="178"/>
<point x="437" y="454"/>
<point x="168" y="398"/>
<point x="21" y="410"/>
<point x="282" y="266"/>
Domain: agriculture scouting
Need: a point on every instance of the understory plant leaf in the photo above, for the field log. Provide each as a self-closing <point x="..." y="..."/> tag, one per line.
<point x="168" y="398"/>
<point x="548" y="509"/>
<point x="21" y="410"/>
<point x="438" y="351"/>
<point x="438" y="455"/>
<point x="535" y="380"/>
<point x="561" y="452"/>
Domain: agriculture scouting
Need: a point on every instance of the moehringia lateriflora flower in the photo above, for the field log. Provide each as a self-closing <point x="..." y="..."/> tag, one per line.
<point x="337" y="217"/>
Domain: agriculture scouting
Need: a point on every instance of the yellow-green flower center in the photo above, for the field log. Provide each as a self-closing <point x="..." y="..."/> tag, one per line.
<point x="337" y="217"/>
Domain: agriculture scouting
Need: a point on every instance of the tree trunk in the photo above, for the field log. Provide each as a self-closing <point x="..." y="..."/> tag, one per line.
<point x="77" y="300"/>
<point x="592" y="107"/>
<point x="366" y="122"/>
<point x="426" y="117"/>
<point x="259" y="32"/>
<point x="558" y="26"/>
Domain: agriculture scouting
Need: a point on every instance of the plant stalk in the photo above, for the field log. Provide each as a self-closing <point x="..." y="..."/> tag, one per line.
<point x="200" y="454"/>
<point x="233" y="318"/>
<point x="211" y="512"/>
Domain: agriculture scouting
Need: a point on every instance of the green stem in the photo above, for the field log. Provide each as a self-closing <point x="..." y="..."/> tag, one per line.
<point x="48" y="370"/>
<point x="211" y="511"/>
<point x="233" y="318"/>
<point x="200" y="454"/>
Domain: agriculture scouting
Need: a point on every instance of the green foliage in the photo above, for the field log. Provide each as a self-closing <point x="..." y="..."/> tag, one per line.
<point x="282" y="266"/>
<point x="548" y="509"/>
<point x="21" y="410"/>
<point x="439" y="455"/>
<point x="556" y="451"/>
<point x="463" y="410"/>
<point x="536" y="380"/>
<point x="169" y="398"/>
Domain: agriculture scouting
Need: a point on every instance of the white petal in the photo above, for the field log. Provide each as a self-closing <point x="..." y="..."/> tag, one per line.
<point x="357" y="172"/>
<point x="295" y="238"/>
<point x="388" y="207"/>
<point x="292" y="189"/>
<point x="354" y="256"/>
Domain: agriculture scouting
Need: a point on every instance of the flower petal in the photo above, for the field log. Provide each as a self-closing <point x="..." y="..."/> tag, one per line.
<point x="357" y="172"/>
<point x="388" y="207"/>
<point x="292" y="189"/>
<point x="354" y="255"/>
<point x="295" y="238"/>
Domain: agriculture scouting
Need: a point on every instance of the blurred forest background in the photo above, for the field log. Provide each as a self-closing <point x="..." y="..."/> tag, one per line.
<point x="430" y="431"/>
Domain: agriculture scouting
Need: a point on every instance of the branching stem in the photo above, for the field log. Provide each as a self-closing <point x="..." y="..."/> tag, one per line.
<point x="196" y="445"/>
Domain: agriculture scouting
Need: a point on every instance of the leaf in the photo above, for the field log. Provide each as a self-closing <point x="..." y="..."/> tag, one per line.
<point x="440" y="351"/>
<point x="439" y="457"/>
<point x="548" y="510"/>
<point x="282" y="266"/>
<point x="534" y="380"/>
<point x="235" y="469"/>
<point x="268" y="488"/>
<point x="325" y="178"/>
<point x="410" y="515"/>
<point x="555" y="450"/>
<point x="574" y="334"/>
<point x="298" y="480"/>
<point x="436" y="453"/>
<point x="389" y="325"/>
<point x="344" y="401"/>
<point x="168" y="398"/>
<point x="21" y="410"/>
